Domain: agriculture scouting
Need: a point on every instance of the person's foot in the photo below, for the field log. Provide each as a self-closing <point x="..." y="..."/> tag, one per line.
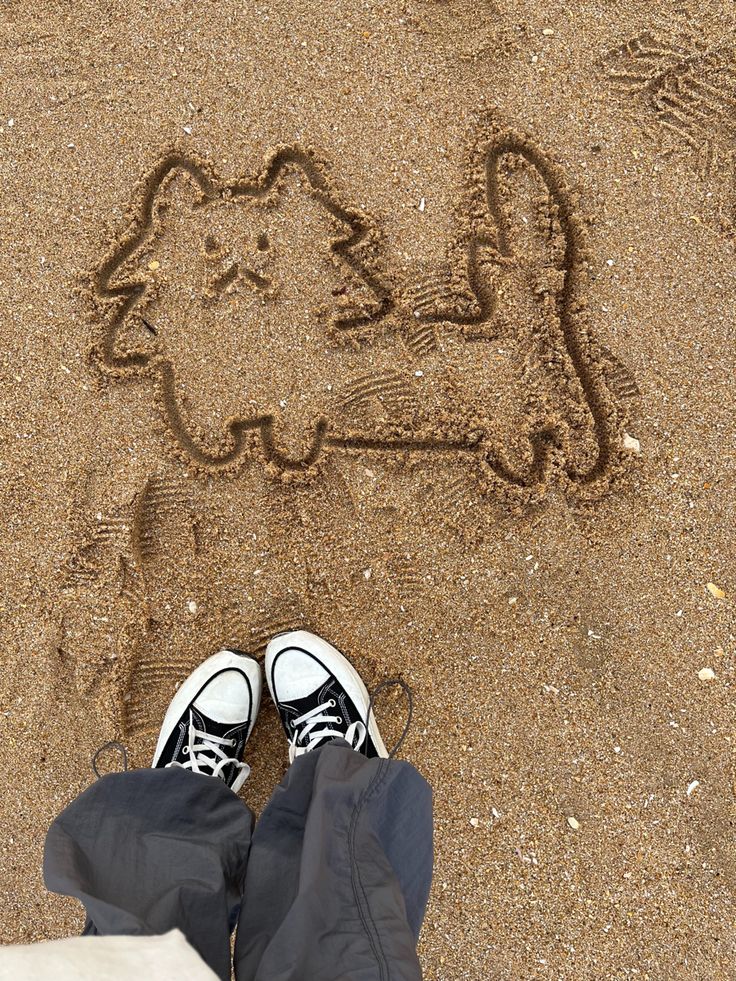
<point x="319" y="695"/>
<point x="211" y="717"/>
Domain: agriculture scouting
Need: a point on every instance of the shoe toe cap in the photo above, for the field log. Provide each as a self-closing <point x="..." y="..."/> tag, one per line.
<point x="295" y="674"/>
<point x="228" y="698"/>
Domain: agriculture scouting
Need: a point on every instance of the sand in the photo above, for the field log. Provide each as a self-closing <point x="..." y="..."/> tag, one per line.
<point x="413" y="324"/>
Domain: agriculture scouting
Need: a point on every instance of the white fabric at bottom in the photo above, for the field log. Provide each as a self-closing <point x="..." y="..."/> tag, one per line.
<point x="166" y="958"/>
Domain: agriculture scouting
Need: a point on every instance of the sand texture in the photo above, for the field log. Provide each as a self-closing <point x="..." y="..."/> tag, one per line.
<point x="411" y="323"/>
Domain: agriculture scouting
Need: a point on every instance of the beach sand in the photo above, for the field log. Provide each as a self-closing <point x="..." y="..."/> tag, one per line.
<point x="413" y="324"/>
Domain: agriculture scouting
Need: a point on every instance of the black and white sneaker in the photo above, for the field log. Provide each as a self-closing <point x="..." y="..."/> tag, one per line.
<point x="319" y="695"/>
<point x="211" y="717"/>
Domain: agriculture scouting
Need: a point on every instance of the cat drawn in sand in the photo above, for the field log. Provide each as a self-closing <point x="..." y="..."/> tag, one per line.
<point x="261" y="312"/>
<point x="210" y="284"/>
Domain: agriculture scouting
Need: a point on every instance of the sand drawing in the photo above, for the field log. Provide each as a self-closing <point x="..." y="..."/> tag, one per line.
<point x="687" y="85"/>
<point x="205" y="295"/>
<point x="217" y="274"/>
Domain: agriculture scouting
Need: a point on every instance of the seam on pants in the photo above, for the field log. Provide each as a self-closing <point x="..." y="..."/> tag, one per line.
<point x="359" y="893"/>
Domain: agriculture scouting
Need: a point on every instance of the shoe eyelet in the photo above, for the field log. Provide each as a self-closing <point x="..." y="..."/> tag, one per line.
<point x="185" y="750"/>
<point x="332" y="703"/>
<point x="338" y="720"/>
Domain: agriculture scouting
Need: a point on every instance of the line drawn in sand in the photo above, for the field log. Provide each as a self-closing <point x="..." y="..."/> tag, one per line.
<point x="472" y="304"/>
<point x="130" y="285"/>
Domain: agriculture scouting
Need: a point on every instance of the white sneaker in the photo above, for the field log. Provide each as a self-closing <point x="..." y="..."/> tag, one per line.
<point x="211" y="717"/>
<point x="319" y="695"/>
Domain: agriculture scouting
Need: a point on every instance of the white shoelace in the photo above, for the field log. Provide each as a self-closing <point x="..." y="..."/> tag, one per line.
<point x="354" y="734"/>
<point x="217" y="763"/>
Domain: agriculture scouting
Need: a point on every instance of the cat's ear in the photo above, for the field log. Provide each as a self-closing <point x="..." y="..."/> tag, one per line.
<point x="178" y="185"/>
<point x="176" y="188"/>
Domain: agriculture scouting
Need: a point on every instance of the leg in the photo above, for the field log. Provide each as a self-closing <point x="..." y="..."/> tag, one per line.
<point x="150" y="850"/>
<point x="341" y="860"/>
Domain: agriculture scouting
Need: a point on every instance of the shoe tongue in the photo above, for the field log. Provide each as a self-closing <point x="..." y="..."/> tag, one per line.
<point x="329" y="690"/>
<point x="310" y="700"/>
<point x="345" y="708"/>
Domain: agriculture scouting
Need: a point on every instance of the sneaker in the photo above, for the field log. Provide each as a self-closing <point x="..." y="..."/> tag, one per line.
<point x="211" y="717"/>
<point x="319" y="695"/>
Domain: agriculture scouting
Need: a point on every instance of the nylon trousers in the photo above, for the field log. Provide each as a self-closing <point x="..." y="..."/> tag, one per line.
<point x="331" y="885"/>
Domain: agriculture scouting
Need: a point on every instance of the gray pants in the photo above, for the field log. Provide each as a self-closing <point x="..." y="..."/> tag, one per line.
<point x="331" y="886"/>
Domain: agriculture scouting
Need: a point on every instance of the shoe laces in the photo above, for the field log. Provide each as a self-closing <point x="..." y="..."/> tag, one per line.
<point x="355" y="734"/>
<point x="215" y="765"/>
<point x="395" y="683"/>
<point x="111" y="744"/>
<point x="307" y="738"/>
